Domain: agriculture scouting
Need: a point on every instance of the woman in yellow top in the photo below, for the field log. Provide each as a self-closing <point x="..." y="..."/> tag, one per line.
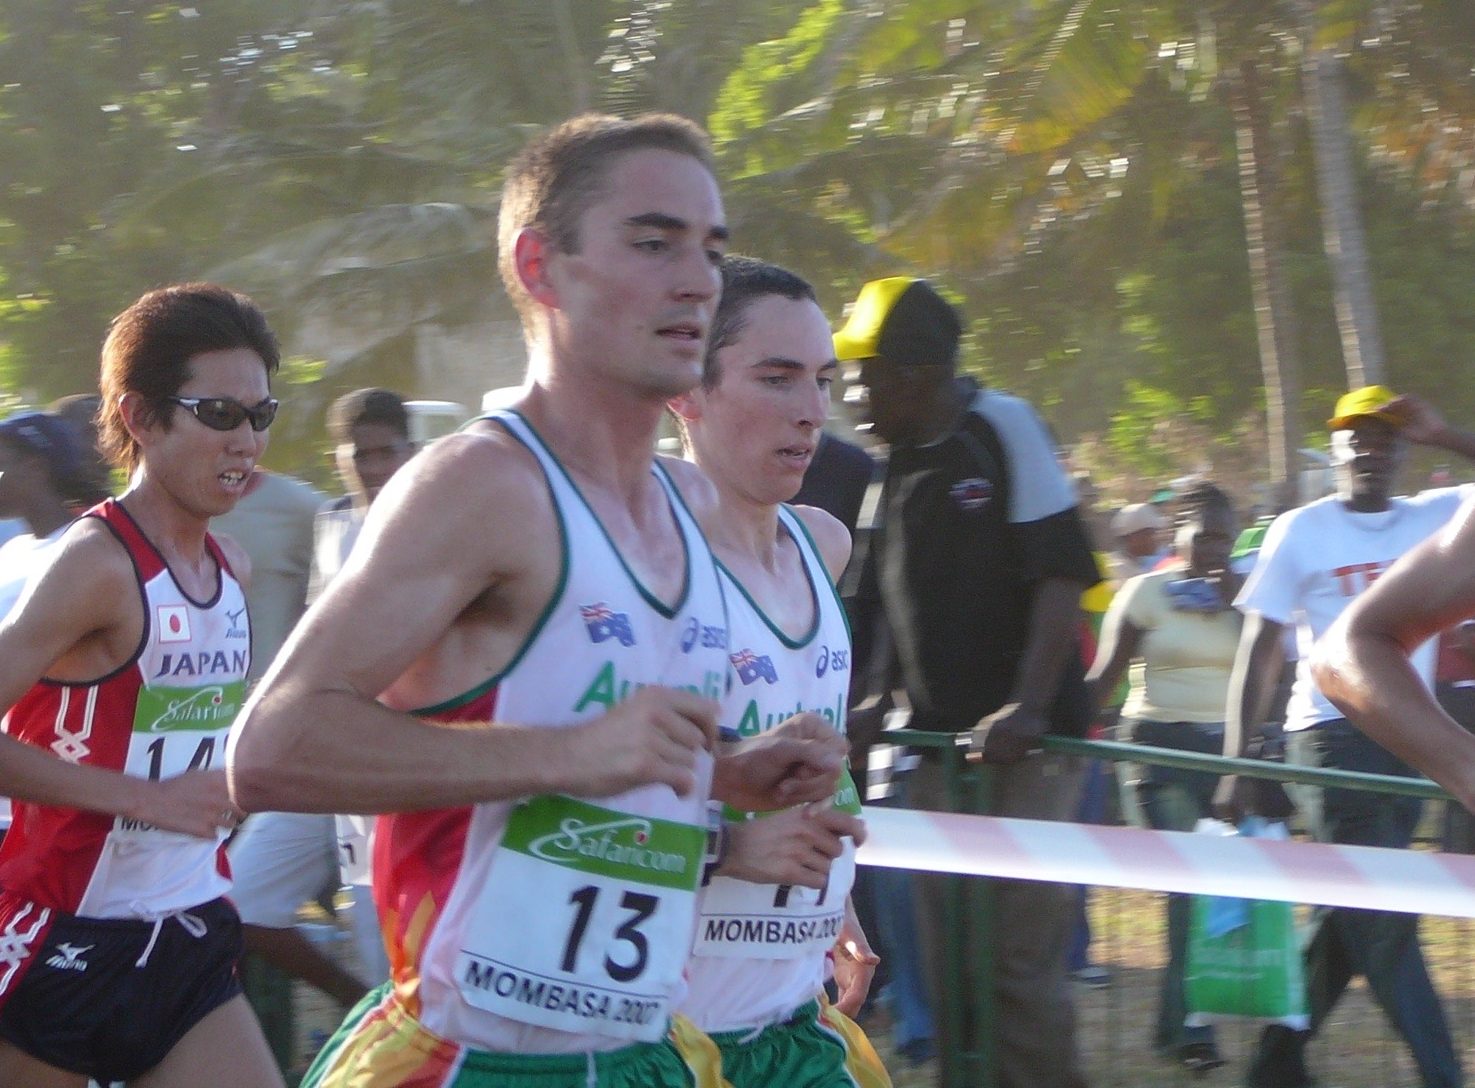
<point x="1181" y="625"/>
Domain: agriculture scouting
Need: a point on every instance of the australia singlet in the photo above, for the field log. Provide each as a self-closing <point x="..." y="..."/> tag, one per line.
<point x="760" y="949"/>
<point x="167" y="710"/>
<point x="556" y="925"/>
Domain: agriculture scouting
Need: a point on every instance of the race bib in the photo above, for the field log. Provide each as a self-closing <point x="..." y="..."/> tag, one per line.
<point x="584" y="921"/>
<point x="177" y="730"/>
<point x="742" y="920"/>
<point x="353" y="848"/>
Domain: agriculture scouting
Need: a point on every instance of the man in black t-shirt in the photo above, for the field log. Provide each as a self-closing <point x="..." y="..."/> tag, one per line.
<point x="980" y="561"/>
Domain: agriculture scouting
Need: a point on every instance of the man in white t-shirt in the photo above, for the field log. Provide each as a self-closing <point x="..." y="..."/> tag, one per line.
<point x="284" y="859"/>
<point x="1314" y="561"/>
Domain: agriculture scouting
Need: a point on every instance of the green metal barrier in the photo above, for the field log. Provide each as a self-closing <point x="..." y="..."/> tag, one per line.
<point x="968" y="909"/>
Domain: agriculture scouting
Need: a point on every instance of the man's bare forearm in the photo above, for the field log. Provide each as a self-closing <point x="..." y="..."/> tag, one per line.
<point x="341" y="752"/>
<point x="1053" y="621"/>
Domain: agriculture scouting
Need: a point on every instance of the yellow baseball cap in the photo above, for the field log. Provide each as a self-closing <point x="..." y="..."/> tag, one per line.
<point x="903" y="319"/>
<point x="1371" y="401"/>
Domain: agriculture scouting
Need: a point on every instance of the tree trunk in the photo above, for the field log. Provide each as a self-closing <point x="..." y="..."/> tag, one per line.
<point x="575" y="66"/>
<point x="1274" y="314"/>
<point x="1341" y="218"/>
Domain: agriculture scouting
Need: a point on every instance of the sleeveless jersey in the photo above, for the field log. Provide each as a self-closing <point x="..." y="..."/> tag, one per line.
<point x="555" y="925"/>
<point x="760" y="948"/>
<point x="168" y="709"/>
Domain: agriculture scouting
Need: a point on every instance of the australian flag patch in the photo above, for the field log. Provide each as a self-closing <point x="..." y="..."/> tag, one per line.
<point x="602" y="623"/>
<point x="751" y="667"/>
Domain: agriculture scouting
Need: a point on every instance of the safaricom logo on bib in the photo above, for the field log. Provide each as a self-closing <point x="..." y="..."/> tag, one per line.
<point x="202" y="707"/>
<point x="618" y="842"/>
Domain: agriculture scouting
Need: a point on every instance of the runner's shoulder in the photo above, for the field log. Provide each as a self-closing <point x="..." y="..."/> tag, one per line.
<point x="830" y="537"/>
<point x="473" y="473"/>
<point x="697" y="491"/>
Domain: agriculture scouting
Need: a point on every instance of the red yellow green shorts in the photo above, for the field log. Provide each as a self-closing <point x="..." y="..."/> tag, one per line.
<point x="817" y="1047"/>
<point x="380" y="1045"/>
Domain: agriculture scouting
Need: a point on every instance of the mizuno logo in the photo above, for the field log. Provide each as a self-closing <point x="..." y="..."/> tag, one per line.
<point x="68" y="957"/>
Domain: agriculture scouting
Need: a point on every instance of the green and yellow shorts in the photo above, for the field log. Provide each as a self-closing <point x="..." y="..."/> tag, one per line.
<point x="817" y="1047"/>
<point x="380" y="1045"/>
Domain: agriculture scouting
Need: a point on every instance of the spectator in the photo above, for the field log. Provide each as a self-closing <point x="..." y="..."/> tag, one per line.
<point x="1181" y="624"/>
<point x="981" y="559"/>
<point x="1313" y="563"/>
<point x="1137" y="530"/>
<point x="370" y="429"/>
<point x="284" y="859"/>
<point x="95" y="476"/>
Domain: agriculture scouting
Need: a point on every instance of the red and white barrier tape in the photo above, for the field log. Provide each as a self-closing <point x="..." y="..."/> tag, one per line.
<point x="1412" y="881"/>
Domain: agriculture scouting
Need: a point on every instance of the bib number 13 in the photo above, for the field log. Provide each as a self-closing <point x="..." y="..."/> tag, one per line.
<point x="640" y="907"/>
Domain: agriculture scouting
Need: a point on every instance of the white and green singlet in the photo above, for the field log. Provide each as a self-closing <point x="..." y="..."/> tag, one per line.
<point x="557" y="925"/>
<point x="760" y="949"/>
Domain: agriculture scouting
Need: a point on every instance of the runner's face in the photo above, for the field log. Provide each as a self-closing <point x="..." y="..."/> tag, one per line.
<point x="756" y="431"/>
<point x="365" y="464"/>
<point x="206" y="470"/>
<point x="636" y="300"/>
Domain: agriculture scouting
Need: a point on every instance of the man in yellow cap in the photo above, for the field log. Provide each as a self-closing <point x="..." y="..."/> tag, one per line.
<point x="1314" y="562"/>
<point x="980" y="559"/>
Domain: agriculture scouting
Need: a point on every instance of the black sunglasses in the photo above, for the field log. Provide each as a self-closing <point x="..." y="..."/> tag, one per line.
<point x="226" y="413"/>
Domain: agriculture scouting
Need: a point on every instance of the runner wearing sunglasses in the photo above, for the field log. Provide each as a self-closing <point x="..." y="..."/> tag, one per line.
<point x="227" y="413"/>
<point x="123" y="666"/>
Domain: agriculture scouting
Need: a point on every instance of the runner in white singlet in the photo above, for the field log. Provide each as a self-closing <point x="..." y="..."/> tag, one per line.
<point x="762" y="952"/>
<point x="520" y="603"/>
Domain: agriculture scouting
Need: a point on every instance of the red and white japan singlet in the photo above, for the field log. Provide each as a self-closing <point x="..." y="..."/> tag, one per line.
<point x="168" y="709"/>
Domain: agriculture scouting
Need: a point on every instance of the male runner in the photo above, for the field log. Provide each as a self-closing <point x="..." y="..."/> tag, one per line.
<point x="762" y="950"/>
<point x="537" y="569"/>
<point x="123" y="667"/>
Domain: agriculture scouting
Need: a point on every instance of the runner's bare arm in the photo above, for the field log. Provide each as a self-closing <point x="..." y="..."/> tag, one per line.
<point x="1362" y="663"/>
<point x="795" y="846"/>
<point x="796" y="762"/>
<point x="855" y="964"/>
<point x="1257" y="664"/>
<point x="466" y="526"/>
<point x="830" y="537"/>
<point x="70" y="625"/>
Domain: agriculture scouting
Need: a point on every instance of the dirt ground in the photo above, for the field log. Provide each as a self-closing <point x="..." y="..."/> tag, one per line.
<point x="1357" y="1050"/>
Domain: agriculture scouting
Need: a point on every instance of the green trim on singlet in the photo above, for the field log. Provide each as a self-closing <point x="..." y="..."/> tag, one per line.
<point x="819" y="556"/>
<point x="457" y="701"/>
<point x="667" y="611"/>
<point x="788" y="643"/>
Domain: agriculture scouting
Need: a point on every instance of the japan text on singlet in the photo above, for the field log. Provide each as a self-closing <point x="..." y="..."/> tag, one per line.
<point x="760" y="948"/>
<point x="557" y="925"/>
<point x="167" y="710"/>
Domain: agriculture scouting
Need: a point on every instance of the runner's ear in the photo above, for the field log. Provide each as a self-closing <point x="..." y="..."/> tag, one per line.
<point x="137" y="418"/>
<point x="531" y="251"/>
<point x="685" y="407"/>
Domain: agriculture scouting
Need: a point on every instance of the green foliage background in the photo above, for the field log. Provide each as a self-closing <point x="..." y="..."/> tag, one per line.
<point x="1065" y="168"/>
